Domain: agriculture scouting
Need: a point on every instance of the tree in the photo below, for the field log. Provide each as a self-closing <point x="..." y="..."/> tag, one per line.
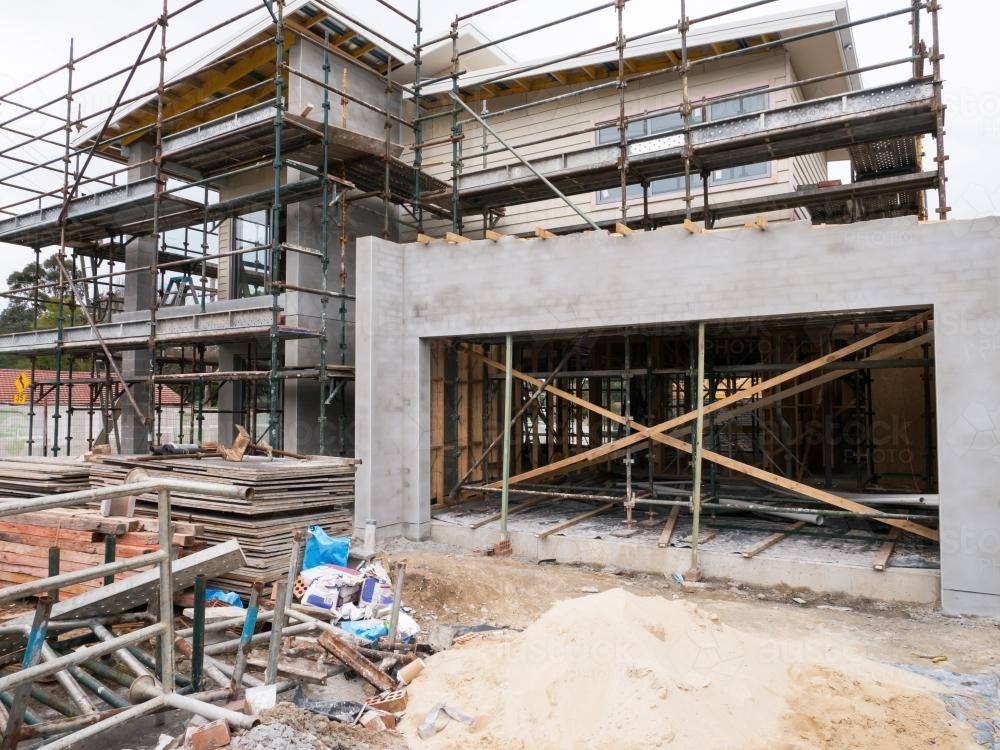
<point x="23" y="281"/>
<point x="22" y="310"/>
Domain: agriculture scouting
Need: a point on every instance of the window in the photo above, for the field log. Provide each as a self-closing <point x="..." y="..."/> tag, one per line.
<point x="607" y="135"/>
<point x="674" y="184"/>
<point x="744" y="105"/>
<point x="741" y="173"/>
<point x="670" y="122"/>
<point x="614" y="195"/>
<point x="250" y="269"/>
<point x="647" y="126"/>
<point x="654" y="125"/>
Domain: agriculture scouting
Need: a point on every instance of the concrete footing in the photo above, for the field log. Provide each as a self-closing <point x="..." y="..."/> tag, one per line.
<point x="902" y="585"/>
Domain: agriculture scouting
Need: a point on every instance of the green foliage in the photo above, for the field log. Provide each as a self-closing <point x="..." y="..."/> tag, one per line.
<point x="21" y="311"/>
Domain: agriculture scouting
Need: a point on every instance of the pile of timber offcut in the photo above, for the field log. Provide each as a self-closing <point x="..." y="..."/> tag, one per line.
<point x="81" y="537"/>
<point x="288" y="494"/>
<point x="35" y="476"/>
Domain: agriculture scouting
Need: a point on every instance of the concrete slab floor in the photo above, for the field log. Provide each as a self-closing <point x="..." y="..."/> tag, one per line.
<point x="830" y="559"/>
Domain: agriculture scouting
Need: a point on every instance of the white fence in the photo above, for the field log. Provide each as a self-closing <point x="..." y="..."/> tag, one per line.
<point x="14" y="421"/>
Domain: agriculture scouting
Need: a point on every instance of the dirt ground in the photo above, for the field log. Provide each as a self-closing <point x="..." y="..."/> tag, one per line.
<point x="286" y="727"/>
<point x="456" y="588"/>
<point x="958" y="654"/>
<point x="451" y="587"/>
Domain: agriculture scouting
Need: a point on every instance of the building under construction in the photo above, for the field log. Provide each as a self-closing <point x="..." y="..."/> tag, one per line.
<point x="618" y="264"/>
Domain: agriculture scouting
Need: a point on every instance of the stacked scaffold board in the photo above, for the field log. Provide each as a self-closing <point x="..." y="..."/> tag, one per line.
<point x="288" y="494"/>
<point x="35" y="476"/>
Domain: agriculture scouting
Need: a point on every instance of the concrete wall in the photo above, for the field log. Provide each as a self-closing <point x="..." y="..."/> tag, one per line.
<point x="361" y="83"/>
<point x="410" y="293"/>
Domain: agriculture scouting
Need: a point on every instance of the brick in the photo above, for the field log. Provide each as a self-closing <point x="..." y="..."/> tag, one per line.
<point x="373" y="720"/>
<point x="213" y="735"/>
<point x="392" y="701"/>
<point x="388" y="719"/>
<point x="240" y="706"/>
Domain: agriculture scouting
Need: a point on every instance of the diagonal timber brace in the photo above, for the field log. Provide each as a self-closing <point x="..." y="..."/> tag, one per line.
<point x="802" y="489"/>
<point x="828" y="377"/>
<point x="644" y="433"/>
<point x="656" y="433"/>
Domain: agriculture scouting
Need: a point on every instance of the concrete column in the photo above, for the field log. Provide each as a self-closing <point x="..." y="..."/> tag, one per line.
<point x="380" y="388"/>
<point x="301" y="397"/>
<point x="300" y="427"/>
<point x="135" y="436"/>
<point x="301" y="404"/>
<point x="230" y="393"/>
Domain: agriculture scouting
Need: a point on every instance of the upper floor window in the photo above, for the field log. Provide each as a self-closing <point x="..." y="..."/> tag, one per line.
<point x="653" y="125"/>
<point x="743" y="105"/>
<point x="741" y="173"/>
<point x="250" y="269"/>
<point x="668" y="122"/>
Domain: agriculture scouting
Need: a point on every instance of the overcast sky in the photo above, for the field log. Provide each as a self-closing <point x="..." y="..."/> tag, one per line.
<point x="38" y="40"/>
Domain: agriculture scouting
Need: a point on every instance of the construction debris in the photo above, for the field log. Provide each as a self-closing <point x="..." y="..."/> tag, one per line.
<point x="211" y="736"/>
<point x="139" y="589"/>
<point x="287" y="726"/>
<point x="355" y="661"/>
<point x="438" y="717"/>
<point x="239" y="448"/>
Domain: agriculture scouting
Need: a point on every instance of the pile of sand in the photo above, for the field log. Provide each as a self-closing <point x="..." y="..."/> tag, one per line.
<point x="618" y="670"/>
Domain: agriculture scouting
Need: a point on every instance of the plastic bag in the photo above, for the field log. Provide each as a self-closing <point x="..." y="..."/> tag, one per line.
<point x="322" y="548"/>
<point x="366" y="630"/>
<point x="229" y="597"/>
<point x="406" y="627"/>
<point x="343" y="711"/>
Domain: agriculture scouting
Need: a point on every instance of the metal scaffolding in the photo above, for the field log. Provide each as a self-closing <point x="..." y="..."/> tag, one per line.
<point x="170" y="196"/>
<point x="151" y="168"/>
<point x="880" y="126"/>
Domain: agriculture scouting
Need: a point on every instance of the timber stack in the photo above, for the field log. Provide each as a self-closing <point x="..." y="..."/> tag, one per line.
<point x="35" y="476"/>
<point x="81" y="539"/>
<point x="286" y="494"/>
